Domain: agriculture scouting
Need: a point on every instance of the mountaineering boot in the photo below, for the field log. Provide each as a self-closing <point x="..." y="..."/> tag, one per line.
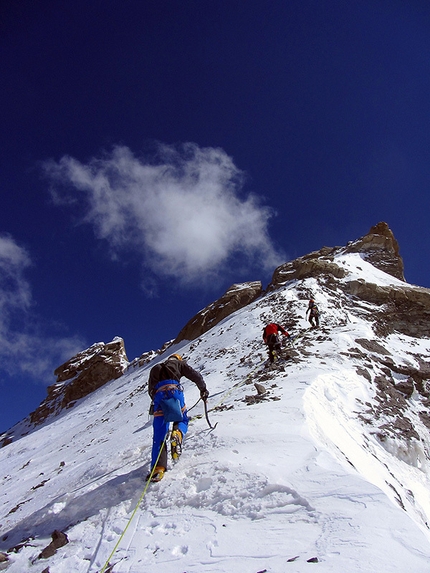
<point x="176" y="444"/>
<point x="157" y="475"/>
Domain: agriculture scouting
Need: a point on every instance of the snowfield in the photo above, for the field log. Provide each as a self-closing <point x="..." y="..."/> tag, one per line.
<point x="293" y="480"/>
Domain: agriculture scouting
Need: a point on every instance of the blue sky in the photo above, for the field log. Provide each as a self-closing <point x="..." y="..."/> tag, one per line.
<point x="154" y="153"/>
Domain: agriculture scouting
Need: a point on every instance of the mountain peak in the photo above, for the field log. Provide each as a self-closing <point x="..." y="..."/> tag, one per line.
<point x="379" y="247"/>
<point x="81" y="375"/>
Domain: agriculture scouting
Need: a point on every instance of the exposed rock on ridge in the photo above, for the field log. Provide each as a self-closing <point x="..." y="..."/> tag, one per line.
<point x="76" y="378"/>
<point x="236" y="297"/>
<point x="378" y="247"/>
<point x="312" y="265"/>
<point x="381" y="249"/>
<point x="404" y="309"/>
<point x="81" y="375"/>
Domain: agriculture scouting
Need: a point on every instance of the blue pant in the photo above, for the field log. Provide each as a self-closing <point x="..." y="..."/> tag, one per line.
<point x="160" y="427"/>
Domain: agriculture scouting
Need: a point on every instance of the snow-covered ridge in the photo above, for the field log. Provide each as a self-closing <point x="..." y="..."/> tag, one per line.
<point x="331" y="463"/>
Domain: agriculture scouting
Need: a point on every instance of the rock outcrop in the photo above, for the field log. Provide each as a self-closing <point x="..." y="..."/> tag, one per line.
<point x="146" y="357"/>
<point x="81" y="375"/>
<point x="59" y="539"/>
<point x="315" y="264"/>
<point x="76" y="378"/>
<point x="379" y="247"/>
<point x="404" y="309"/>
<point x="236" y="297"/>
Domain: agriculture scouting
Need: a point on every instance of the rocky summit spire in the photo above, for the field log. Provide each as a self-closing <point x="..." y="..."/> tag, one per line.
<point x="81" y="375"/>
<point x="379" y="247"/>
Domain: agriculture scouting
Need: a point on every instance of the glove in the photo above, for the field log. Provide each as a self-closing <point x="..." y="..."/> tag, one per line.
<point x="151" y="409"/>
<point x="204" y="395"/>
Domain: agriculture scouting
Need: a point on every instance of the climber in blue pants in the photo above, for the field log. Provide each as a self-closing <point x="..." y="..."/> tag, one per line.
<point x="163" y="391"/>
<point x="169" y="406"/>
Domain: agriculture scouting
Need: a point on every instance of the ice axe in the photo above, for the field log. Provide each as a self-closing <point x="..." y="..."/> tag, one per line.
<point x="207" y="417"/>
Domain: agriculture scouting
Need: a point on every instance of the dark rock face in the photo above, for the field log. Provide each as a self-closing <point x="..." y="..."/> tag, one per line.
<point x="236" y="297"/>
<point x="393" y="405"/>
<point x="372" y="346"/>
<point x="406" y="387"/>
<point x="81" y="375"/>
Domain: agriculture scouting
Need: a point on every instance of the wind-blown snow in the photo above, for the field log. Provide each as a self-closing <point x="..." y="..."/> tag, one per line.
<point x="295" y="476"/>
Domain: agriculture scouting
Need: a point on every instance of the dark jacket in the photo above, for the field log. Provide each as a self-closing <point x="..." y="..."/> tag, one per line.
<point x="312" y="309"/>
<point x="173" y="369"/>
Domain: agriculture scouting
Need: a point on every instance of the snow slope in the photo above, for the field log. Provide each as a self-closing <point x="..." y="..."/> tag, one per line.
<point x="297" y="474"/>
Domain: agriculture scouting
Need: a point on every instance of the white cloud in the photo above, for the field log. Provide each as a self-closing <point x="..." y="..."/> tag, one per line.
<point x="14" y="290"/>
<point x="24" y="348"/>
<point x="182" y="210"/>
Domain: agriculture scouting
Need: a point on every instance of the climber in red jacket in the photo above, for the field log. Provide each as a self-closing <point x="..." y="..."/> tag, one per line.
<point x="271" y="338"/>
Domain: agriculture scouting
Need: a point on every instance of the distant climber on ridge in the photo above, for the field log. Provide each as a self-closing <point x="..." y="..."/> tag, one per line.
<point x="169" y="406"/>
<point x="271" y="338"/>
<point x="313" y="314"/>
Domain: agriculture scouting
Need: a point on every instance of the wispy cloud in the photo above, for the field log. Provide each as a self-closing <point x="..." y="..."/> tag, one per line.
<point x="14" y="290"/>
<point x="182" y="209"/>
<point x="23" y="347"/>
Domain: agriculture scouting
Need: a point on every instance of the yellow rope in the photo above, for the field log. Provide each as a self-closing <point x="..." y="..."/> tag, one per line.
<point x="107" y="564"/>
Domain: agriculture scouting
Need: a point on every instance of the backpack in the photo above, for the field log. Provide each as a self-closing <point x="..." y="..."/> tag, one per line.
<point x="314" y="310"/>
<point x="172" y="411"/>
